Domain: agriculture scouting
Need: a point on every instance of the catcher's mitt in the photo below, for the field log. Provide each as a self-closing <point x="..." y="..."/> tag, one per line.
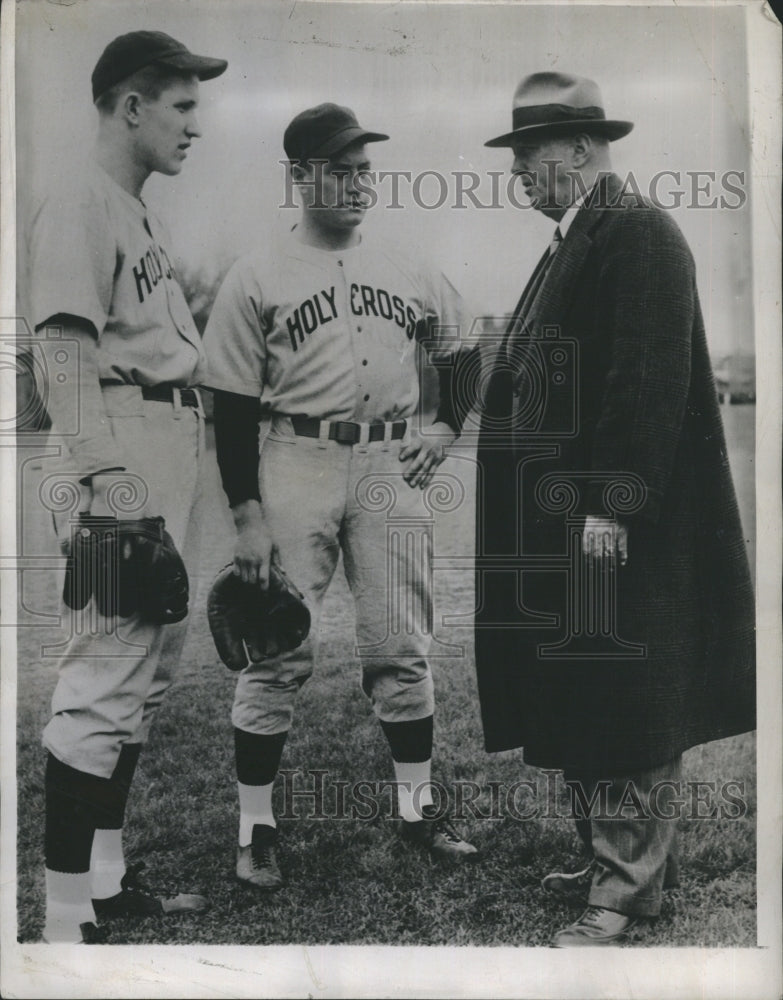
<point x="249" y="624"/>
<point x="129" y="567"/>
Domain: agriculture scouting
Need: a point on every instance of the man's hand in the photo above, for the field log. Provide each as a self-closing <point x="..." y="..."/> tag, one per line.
<point x="425" y="452"/>
<point x="253" y="548"/>
<point x="605" y="539"/>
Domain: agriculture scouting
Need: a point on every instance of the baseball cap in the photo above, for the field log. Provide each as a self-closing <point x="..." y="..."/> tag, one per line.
<point x="318" y="132"/>
<point x="132" y="52"/>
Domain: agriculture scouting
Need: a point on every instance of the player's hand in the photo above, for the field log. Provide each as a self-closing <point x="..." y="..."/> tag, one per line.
<point x="253" y="547"/>
<point x="605" y="539"/>
<point x="425" y="452"/>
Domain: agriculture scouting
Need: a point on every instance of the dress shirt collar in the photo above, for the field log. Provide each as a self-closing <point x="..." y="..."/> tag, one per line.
<point x="570" y="214"/>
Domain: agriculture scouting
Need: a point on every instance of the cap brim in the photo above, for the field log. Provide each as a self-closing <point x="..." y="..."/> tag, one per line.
<point x="203" y="67"/>
<point x="347" y="137"/>
<point x="609" y="129"/>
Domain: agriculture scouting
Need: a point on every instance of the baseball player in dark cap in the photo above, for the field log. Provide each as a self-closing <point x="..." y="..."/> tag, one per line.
<point x="317" y="333"/>
<point x="101" y="271"/>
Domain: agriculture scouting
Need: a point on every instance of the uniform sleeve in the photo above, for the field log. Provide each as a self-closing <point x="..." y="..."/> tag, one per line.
<point x="234" y="340"/>
<point x="72" y="258"/>
<point x="447" y="322"/>
<point x="72" y="261"/>
<point x="648" y="281"/>
<point x="449" y="339"/>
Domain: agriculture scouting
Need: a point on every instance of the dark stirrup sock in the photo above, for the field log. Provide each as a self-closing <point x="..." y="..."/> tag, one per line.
<point x="257" y="757"/>
<point x="409" y="742"/>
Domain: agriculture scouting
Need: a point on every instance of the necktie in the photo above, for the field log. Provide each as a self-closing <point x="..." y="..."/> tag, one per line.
<point x="530" y="293"/>
<point x="502" y="381"/>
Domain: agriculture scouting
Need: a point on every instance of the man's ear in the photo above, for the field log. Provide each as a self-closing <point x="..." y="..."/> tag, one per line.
<point x="582" y="145"/>
<point x="131" y="104"/>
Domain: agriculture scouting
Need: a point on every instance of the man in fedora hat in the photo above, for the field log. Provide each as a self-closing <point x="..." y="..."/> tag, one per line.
<point x="627" y="633"/>
<point x="102" y="276"/>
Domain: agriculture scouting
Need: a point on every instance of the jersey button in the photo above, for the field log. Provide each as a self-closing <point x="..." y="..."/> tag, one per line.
<point x="365" y="361"/>
<point x="367" y="397"/>
<point x="358" y="329"/>
<point x="340" y="263"/>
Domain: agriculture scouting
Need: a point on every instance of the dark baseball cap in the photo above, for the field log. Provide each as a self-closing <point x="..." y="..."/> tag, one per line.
<point x="129" y="53"/>
<point x="319" y="132"/>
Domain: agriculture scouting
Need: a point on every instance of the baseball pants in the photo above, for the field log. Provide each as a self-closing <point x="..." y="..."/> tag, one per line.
<point x="320" y="497"/>
<point x="112" y="680"/>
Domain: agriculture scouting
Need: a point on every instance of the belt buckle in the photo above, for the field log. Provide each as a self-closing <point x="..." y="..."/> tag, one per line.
<point x="191" y="398"/>
<point x="345" y="432"/>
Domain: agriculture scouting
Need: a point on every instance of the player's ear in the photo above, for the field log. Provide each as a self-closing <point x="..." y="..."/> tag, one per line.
<point x="301" y="172"/>
<point x="131" y="105"/>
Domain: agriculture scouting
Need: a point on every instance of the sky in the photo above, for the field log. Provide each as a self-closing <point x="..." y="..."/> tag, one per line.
<point x="439" y="79"/>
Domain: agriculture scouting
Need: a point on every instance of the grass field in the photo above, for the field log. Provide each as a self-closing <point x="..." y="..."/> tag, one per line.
<point x="350" y="880"/>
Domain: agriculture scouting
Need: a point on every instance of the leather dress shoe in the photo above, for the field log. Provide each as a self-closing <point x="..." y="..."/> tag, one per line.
<point x="597" y="926"/>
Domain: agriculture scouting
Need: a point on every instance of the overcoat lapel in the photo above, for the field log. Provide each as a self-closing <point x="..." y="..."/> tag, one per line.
<point x="559" y="285"/>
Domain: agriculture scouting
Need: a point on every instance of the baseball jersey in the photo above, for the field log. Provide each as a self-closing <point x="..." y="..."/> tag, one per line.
<point x="99" y="254"/>
<point x="330" y="333"/>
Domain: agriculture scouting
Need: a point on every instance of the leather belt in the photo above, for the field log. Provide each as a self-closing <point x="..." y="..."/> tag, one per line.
<point x="345" y="431"/>
<point x="162" y="393"/>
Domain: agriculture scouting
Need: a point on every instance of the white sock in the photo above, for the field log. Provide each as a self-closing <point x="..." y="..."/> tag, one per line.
<point x="414" y="790"/>
<point x="68" y="904"/>
<point x="107" y="864"/>
<point x="255" y="806"/>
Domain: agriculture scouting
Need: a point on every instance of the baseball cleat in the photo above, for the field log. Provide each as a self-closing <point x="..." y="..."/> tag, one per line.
<point x="135" y="900"/>
<point x="597" y="926"/>
<point x="438" y="836"/>
<point x="569" y="883"/>
<point x="92" y="934"/>
<point x="257" y="863"/>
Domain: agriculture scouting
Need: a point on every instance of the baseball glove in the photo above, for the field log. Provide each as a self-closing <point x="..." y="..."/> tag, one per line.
<point x="249" y="624"/>
<point x="129" y="567"/>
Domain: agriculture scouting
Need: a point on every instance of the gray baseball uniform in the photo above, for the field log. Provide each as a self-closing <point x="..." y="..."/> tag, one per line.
<point x="331" y="336"/>
<point x="116" y="274"/>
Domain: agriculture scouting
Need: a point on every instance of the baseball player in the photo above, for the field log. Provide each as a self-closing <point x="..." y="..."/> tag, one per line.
<point x="101" y="270"/>
<point x="316" y="333"/>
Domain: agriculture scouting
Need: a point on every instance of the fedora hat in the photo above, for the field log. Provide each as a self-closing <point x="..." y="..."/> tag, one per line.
<point x="552" y="103"/>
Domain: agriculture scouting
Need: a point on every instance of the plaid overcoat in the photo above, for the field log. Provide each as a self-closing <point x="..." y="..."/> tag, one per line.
<point x="601" y="400"/>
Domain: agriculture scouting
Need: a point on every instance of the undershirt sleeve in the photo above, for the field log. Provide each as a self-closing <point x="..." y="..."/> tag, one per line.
<point x="456" y="381"/>
<point x="236" y="441"/>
